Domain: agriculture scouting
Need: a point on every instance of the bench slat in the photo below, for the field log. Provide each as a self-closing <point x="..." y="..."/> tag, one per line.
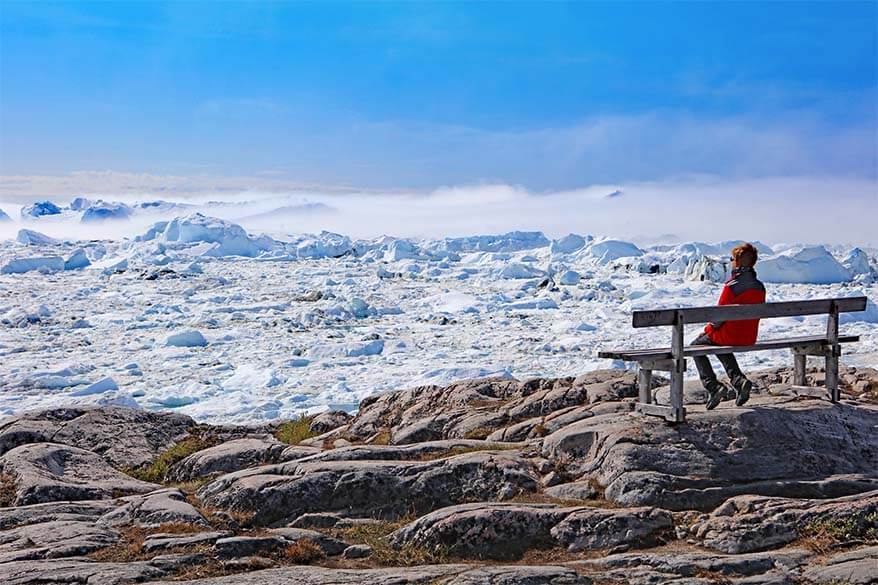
<point x="696" y="350"/>
<point x="740" y="312"/>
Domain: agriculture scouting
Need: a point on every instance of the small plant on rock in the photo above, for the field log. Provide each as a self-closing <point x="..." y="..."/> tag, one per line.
<point x="295" y="431"/>
<point x="157" y="470"/>
<point x="825" y="534"/>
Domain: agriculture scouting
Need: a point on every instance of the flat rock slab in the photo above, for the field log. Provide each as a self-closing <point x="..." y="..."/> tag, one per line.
<point x="125" y="437"/>
<point x="164" y="541"/>
<point x="856" y="567"/>
<point x="50" y="472"/>
<point x="428" y="574"/>
<point x="783" y="448"/>
<point x="414" y="452"/>
<point x="153" y="509"/>
<point x="751" y="523"/>
<point x="688" y="564"/>
<point x="56" y="539"/>
<point x="281" y="493"/>
<point x="235" y="455"/>
<point x="84" y="571"/>
<point x="506" y="531"/>
<point x="88" y="511"/>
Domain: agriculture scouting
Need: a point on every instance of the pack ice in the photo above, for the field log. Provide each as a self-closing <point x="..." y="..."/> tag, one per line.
<point x="199" y="315"/>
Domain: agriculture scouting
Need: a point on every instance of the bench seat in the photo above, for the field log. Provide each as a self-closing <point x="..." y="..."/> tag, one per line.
<point x="660" y="353"/>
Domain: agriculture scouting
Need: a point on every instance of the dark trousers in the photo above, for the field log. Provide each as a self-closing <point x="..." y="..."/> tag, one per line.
<point x="705" y="370"/>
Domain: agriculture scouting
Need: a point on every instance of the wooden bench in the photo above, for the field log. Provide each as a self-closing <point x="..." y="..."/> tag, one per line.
<point x="672" y="359"/>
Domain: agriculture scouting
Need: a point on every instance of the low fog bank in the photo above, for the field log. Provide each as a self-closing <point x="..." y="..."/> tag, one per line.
<point x="837" y="211"/>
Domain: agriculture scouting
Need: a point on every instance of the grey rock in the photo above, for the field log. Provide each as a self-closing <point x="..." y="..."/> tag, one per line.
<point x="412" y="452"/>
<point x="854" y="567"/>
<point x="751" y="523"/>
<point x="574" y="490"/>
<point x="153" y="509"/>
<point x="281" y="493"/>
<point x="687" y="564"/>
<point x="49" y="472"/>
<point x="420" y="575"/>
<point x="87" y="511"/>
<point x="329" y="421"/>
<point x="770" y="448"/>
<point x="484" y="530"/>
<point x="86" y="572"/>
<point x="596" y="528"/>
<point x="125" y="437"/>
<point x="235" y="455"/>
<point x="357" y="551"/>
<point x="245" y="546"/>
<point x="317" y="520"/>
<point x="163" y="541"/>
<point x="507" y="531"/>
<point x="53" y="540"/>
<point x="519" y="575"/>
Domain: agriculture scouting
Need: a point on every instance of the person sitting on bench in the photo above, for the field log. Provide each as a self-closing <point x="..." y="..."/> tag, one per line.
<point x="742" y="288"/>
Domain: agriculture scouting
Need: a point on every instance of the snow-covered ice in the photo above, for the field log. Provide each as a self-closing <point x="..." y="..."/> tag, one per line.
<point x="197" y="314"/>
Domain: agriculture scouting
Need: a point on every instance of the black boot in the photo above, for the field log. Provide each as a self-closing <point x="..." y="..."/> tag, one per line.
<point x="743" y="386"/>
<point x="716" y="393"/>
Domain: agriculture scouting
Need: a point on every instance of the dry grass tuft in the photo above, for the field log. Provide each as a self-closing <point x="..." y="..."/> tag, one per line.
<point x="375" y="535"/>
<point x="302" y="552"/>
<point x="156" y="471"/>
<point x="382" y="437"/>
<point x="7" y="490"/>
<point x="295" y="431"/>
<point x="131" y="539"/>
<point x="827" y="534"/>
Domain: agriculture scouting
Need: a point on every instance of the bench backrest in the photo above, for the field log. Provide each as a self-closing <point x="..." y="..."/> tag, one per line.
<point x="741" y="312"/>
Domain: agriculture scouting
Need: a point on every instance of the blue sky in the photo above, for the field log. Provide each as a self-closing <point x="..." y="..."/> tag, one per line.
<point x="419" y="95"/>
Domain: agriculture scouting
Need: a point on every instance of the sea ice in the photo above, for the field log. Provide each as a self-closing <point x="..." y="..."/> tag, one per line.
<point x="38" y="263"/>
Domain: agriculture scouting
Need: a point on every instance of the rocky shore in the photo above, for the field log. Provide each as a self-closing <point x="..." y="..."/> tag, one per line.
<point x="492" y="481"/>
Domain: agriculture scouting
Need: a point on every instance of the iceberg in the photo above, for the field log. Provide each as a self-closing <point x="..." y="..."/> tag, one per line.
<point x="605" y="251"/>
<point x="508" y="242"/>
<point x="102" y="211"/>
<point x="807" y="265"/>
<point x="33" y="238"/>
<point x="39" y="209"/>
<point x="4" y="216"/>
<point x="325" y="245"/>
<point x="39" y="263"/>
<point x="229" y="238"/>
<point x="77" y="260"/>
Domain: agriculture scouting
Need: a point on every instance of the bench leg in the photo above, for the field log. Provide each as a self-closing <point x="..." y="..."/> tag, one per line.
<point x="799" y="369"/>
<point x="832" y="373"/>
<point x="679" y="413"/>
<point x="644" y="381"/>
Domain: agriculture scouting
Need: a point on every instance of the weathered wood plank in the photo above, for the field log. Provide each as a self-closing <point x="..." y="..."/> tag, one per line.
<point x="669" y="413"/>
<point x="660" y="353"/>
<point x="799" y="360"/>
<point x="644" y="380"/>
<point x="740" y="312"/>
<point x="832" y="356"/>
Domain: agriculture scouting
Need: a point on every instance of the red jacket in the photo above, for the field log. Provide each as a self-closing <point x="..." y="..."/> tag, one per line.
<point x="742" y="288"/>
